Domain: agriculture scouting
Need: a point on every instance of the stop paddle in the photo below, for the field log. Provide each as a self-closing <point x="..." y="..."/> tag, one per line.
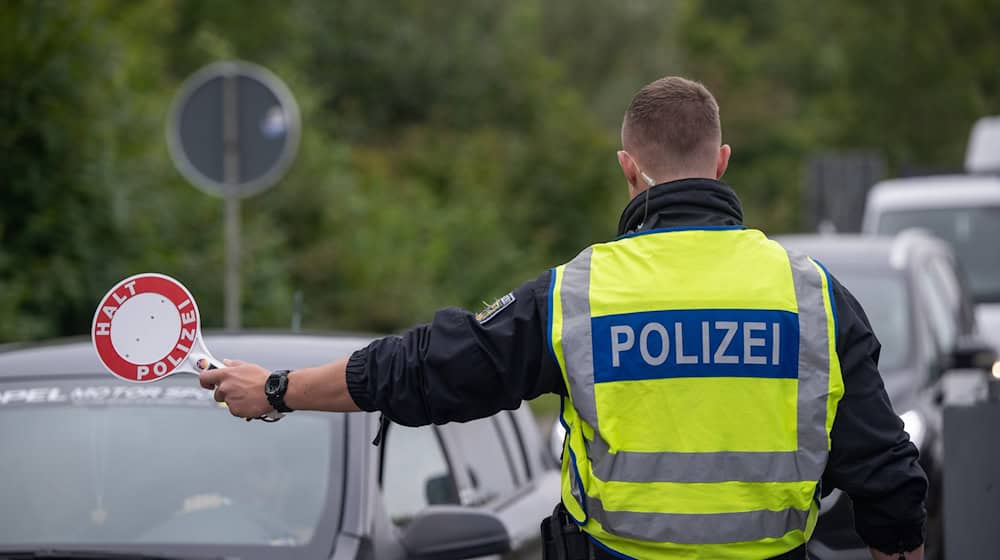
<point x="147" y="327"/>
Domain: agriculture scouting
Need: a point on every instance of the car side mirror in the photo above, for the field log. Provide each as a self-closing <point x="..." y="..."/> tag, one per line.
<point x="440" y="490"/>
<point x="453" y="533"/>
<point x="972" y="352"/>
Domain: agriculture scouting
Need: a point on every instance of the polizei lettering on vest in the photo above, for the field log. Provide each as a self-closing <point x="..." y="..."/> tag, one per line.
<point x="624" y="340"/>
<point x="695" y="343"/>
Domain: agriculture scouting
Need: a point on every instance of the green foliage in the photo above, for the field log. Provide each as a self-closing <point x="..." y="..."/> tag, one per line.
<point x="906" y="79"/>
<point x="450" y="149"/>
<point x="54" y="138"/>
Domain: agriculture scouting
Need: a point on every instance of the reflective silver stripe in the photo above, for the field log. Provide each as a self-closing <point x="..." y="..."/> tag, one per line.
<point x="807" y="463"/>
<point x="698" y="528"/>
<point x="672" y="466"/>
<point x="814" y="367"/>
<point x="579" y="353"/>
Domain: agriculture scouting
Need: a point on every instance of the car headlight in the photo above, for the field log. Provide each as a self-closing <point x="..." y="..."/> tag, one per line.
<point x="914" y="425"/>
<point x="996" y="370"/>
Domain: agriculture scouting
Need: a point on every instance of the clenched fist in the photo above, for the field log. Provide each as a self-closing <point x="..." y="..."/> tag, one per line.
<point x="241" y="386"/>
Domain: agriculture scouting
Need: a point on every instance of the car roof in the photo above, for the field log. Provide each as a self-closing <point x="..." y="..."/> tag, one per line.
<point x="934" y="191"/>
<point x="840" y="246"/>
<point x="272" y="350"/>
<point x="864" y="251"/>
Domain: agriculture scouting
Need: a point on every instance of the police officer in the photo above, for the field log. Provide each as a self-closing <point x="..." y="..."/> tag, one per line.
<point x="714" y="385"/>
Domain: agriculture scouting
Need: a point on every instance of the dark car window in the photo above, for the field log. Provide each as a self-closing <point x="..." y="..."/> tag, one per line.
<point x="972" y="232"/>
<point x="415" y="472"/>
<point x="487" y="456"/>
<point x="883" y="295"/>
<point x="142" y="464"/>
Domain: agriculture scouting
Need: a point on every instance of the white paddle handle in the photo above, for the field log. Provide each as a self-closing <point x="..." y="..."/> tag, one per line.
<point x="205" y="362"/>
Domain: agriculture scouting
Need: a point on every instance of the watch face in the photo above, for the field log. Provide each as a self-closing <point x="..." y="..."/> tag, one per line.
<point x="272" y="385"/>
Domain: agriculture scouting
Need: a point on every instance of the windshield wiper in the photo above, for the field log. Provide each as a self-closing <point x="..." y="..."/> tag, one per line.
<point x="72" y="554"/>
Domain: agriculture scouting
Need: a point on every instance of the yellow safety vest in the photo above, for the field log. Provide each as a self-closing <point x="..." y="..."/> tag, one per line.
<point x="703" y="382"/>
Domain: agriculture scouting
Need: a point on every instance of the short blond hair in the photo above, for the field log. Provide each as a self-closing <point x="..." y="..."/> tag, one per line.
<point x="672" y="122"/>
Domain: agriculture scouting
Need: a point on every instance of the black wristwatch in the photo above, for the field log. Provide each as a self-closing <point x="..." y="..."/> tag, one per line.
<point x="275" y="387"/>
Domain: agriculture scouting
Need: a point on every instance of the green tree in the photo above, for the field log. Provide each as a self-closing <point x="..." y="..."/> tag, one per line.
<point x="55" y="215"/>
<point x="903" y="79"/>
<point x="450" y="149"/>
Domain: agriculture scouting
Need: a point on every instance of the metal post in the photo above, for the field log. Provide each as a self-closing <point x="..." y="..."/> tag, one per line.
<point x="231" y="173"/>
<point x="297" y="311"/>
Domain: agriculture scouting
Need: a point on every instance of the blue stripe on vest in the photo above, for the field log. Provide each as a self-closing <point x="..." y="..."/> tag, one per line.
<point x="696" y="343"/>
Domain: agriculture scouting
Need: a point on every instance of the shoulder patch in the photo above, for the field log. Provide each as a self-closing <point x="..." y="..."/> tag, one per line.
<point x="492" y="309"/>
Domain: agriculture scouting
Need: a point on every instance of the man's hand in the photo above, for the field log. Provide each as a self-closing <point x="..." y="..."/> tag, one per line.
<point x="241" y="386"/>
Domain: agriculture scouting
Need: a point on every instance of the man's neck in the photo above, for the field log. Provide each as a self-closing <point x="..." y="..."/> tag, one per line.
<point x="637" y="190"/>
<point x="686" y="202"/>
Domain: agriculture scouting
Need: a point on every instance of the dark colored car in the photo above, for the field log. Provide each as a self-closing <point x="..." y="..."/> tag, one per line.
<point x="920" y="309"/>
<point x="90" y="463"/>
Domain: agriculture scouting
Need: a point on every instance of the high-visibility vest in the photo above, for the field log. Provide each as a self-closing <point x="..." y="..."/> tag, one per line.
<point x="703" y="381"/>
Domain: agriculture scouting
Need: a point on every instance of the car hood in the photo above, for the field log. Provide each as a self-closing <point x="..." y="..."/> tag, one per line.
<point x="988" y="318"/>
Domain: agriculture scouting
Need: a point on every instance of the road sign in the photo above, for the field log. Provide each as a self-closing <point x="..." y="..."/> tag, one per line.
<point x="233" y="129"/>
<point x="836" y="186"/>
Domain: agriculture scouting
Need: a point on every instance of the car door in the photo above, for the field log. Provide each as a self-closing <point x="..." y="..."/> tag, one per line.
<point x="541" y="491"/>
<point x="940" y="314"/>
<point x="416" y="471"/>
<point x="487" y="457"/>
<point x="947" y="274"/>
<point x="483" y="463"/>
<point x="524" y="492"/>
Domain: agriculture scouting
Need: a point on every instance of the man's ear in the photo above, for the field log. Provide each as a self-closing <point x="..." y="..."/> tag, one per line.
<point x="628" y="169"/>
<point x="723" y="162"/>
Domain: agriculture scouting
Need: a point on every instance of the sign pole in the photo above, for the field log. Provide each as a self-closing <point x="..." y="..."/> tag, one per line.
<point x="231" y="176"/>
<point x="233" y="131"/>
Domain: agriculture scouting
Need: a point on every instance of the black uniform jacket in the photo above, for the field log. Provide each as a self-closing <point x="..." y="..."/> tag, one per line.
<point x="459" y="368"/>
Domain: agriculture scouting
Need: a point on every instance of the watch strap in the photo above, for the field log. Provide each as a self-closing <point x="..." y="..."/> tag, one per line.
<point x="275" y="389"/>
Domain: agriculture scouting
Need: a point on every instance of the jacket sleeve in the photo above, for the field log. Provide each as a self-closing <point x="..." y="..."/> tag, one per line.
<point x="460" y="367"/>
<point x="871" y="456"/>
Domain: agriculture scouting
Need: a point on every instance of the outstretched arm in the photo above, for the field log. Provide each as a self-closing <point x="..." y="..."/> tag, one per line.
<point x="459" y="367"/>
<point x="241" y="386"/>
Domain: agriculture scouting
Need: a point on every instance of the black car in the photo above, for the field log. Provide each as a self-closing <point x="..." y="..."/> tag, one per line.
<point x="91" y="463"/>
<point x="920" y="309"/>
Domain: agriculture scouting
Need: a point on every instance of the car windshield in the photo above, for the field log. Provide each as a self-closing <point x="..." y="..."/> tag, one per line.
<point x="972" y="232"/>
<point x="162" y="463"/>
<point x="883" y="296"/>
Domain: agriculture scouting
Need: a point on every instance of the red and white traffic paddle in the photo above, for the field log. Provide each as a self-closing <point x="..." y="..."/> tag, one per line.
<point x="148" y="327"/>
